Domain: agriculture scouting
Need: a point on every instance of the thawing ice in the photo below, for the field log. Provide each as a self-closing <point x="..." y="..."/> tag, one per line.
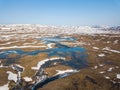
<point x="65" y="71"/>
<point x="11" y="52"/>
<point x="43" y="62"/>
<point x="19" y="69"/>
<point x="12" y="76"/>
<point x="16" y="66"/>
<point x="8" y="52"/>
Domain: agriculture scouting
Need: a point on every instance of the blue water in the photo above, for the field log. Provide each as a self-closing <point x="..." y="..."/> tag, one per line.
<point x="4" y="54"/>
<point x="78" y="54"/>
<point x="56" y="39"/>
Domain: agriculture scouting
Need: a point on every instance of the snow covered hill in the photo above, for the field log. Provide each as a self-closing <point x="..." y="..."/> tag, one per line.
<point x="44" y="29"/>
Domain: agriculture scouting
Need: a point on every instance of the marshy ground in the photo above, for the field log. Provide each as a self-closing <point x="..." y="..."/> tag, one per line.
<point x="102" y="71"/>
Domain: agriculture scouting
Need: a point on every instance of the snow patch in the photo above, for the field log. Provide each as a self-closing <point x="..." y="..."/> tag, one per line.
<point x="43" y="62"/>
<point x="116" y="66"/>
<point x="101" y="65"/>
<point x="101" y="55"/>
<point x="12" y="76"/>
<point x="95" y="67"/>
<point x="12" y="47"/>
<point x="17" y="67"/>
<point x="110" y="69"/>
<point x="95" y="48"/>
<point x="118" y="76"/>
<point x="108" y="41"/>
<point x="102" y="72"/>
<point x="108" y="49"/>
<point x="116" y="41"/>
<point x="4" y="87"/>
<point x="65" y="71"/>
<point x="50" y="45"/>
<point x="27" y="79"/>
<point x="107" y="77"/>
<point x="1" y="66"/>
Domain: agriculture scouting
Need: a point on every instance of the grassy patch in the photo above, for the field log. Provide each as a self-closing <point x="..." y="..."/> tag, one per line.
<point x="4" y="75"/>
<point x="31" y="61"/>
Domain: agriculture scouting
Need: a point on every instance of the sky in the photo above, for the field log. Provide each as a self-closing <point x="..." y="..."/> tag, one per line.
<point x="60" y="12"/>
